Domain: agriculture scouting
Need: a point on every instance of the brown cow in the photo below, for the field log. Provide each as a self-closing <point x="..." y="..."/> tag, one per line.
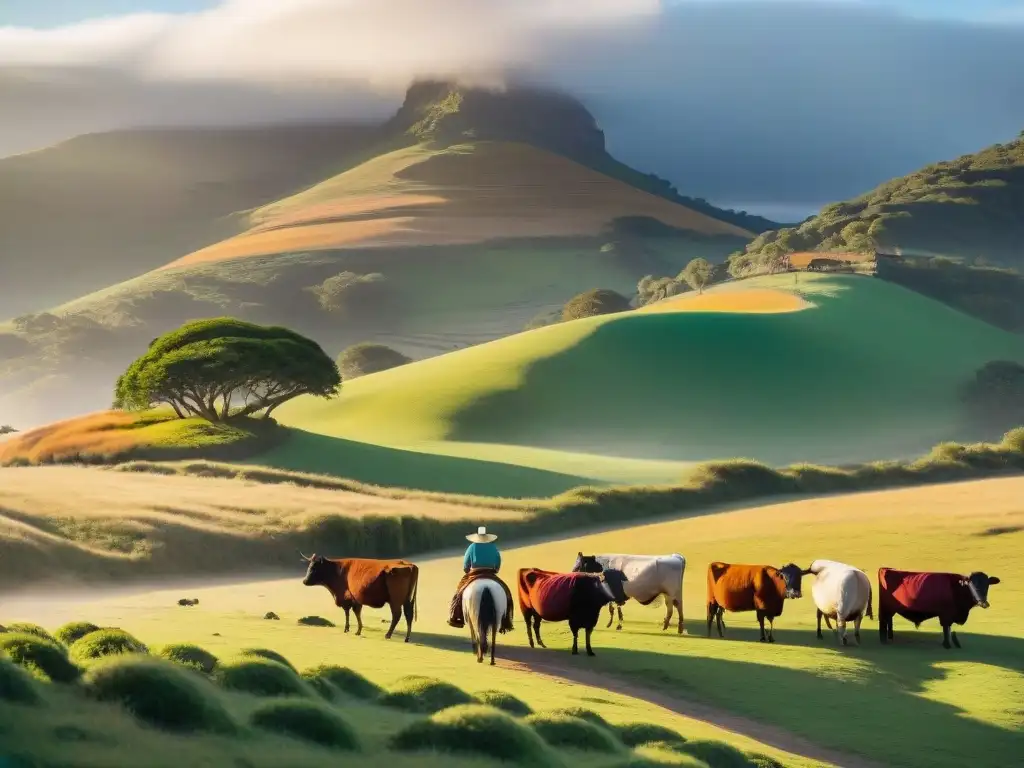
<point x="760" y="588"/>
<point x="355" y="581"/>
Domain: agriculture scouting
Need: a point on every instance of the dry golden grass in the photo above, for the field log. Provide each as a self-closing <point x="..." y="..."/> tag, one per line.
<point x="465" y="194"/>
<point x="756" y="301"/>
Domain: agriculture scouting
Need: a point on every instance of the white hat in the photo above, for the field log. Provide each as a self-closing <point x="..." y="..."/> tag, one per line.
<point x="481" y="536"/>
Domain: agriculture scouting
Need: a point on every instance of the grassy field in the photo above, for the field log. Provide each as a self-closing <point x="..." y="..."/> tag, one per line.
<point x="953" y="707"/>
<point x="863" y="370"/>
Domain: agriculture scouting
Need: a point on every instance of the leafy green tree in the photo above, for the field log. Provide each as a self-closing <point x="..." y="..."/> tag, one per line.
<point x="226" y="367"/>
<point x="362" y="359"/>
<point x="600" y="301"/>
<point x="351" y="293"/>
<point x="697" y="274"/>
<point x="7" y="429"/>
<point x="995" y="396"/>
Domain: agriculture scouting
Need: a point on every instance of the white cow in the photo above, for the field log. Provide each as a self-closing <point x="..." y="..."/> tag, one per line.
<point x="648" y="576"/>
<point x="841" y="592"/>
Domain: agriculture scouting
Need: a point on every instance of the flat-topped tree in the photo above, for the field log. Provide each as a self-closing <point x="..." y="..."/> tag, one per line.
<point x="224" y="367"/>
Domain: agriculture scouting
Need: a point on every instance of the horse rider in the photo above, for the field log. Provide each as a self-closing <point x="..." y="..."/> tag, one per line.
<point x="481" y="561"/>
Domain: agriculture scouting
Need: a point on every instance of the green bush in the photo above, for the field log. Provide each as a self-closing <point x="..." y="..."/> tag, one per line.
<point x="266" y="653"/>
<point x="158" y="693"/>
<point x="261" y="677"/>
<point x="506" y="702"/>
<point x="716" y="754"/>
<point x="478" y="730"/>
<point x="567" y="732"/>
<point x="74" y="631"/>
<point x="763" y="761"/>
<point x="16" y="685"/>
<point x="343" y="679"/>
<point x="45" y="659"/>
<point x="584" y="714"/>
<point x="660" y="759"/>
<point x="635" y="734"/>
<point x="600" y="301"/>
<point x="362" y="359"/>
<point x="188" y="655"/>
<point x="305" y="720"/>
<point x="315" y="621"/>
<point x="424" y="695"/>
<point x="105" y="642"/>
<point x="30" y="629"/>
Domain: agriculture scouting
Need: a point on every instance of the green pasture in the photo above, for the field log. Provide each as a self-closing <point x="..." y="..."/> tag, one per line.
<point x="870" y="371"/>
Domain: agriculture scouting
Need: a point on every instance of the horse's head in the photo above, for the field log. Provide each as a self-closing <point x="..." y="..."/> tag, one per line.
<point x="586" y="564"/>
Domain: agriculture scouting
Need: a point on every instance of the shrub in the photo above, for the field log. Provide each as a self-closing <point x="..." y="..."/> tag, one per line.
<point x="315" y="621"/>
<point x="158" y="693"/>
<point x="271" y="616"/>
<point x="599" y="301"/>
<point x="105" y="642"/>
<point x="30" y="629"/>
<point x="266" y="653"/>
<point x="583" y="714"/>
<point x="16" y="685"/>
<point x="763" y="761"/>
<point x="343" y="679"/>
<point x="477" y="730"/>
<point x="424" y="695"/>
<point x="506" y="702"/>
<point x="667" y="758"/>
<point x="74" y="631"/>
<point x="635" y="734"/>
<point x="362" y="359"/>
<point x="45" y="659"/>
<point x="188" y="655"/>
<point x="716" y="754"/>
<point x="571" y="732"/>
<point x="261" y="677"/>
<point x="305" y="720"/>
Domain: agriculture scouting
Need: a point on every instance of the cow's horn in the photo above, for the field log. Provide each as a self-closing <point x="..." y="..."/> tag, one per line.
<point x="304" y="557"/>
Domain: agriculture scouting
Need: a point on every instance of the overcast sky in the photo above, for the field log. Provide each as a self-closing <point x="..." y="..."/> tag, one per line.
<point x="763" y="103"/>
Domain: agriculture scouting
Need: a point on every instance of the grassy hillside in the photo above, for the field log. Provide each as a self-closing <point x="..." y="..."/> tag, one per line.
<point x="967" y="208"/>
<point x="857" y="369"/>
<point x="963" y="704"/>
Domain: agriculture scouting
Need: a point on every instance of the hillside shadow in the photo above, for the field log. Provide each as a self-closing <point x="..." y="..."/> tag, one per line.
<point x="875" y="710"/>
<point x="305" y="451"/>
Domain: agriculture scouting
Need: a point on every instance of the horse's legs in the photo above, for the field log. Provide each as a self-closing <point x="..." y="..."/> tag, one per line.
<point x="473" y="638"/>
<point x="357" y="609"/>
<point x="396" y="614"/>
<point x="590" y="651"/>
<point x="494" y="639"/>
<point x="536" y="629"/>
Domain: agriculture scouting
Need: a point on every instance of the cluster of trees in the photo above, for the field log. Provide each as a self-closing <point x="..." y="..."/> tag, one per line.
<point x="695" y="276"/>
<point x="995" y="396"/>
<point x="222" y="368"/>
<point x="362" y="359"/>
<point x="352" y="294"/>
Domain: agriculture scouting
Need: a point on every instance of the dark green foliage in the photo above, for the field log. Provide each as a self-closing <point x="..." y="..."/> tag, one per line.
<point x="16" y="685"/>
<point x="105" y="642"/>
<point x="362" y="359"/>
<point x="352" y="295"/>
<point x="424" y="695"/>
<point x="266" y="653"/>
<point x="343" y="679"/>
<point x="995" y="396"/>
<point x="716" y="754"/>
<point x="635" y="734"/>
<point x="967" y="207"/>
<point x="73" y="631"/>
<point x="583" y="714"/>
<point x="45" y="659"/>
<point x="261" y="677"/>
<point x="158" y="693"/>
<point x="567" y="732"/>
<point x="315" y="621"/>
<point x="599" y="301"/>
<point x="207" y="367"/>
<point x="763" y="761"/>
<point x="651" y="289"/>
<point x="305" y="720"/>
<point x="506" y="702"/>
<point x="189" y="655"/>
<point x="696" y="274"/>
<point x="675" y="760"/>
<point x="475" y="729"/>
<point x="30" y="629"/>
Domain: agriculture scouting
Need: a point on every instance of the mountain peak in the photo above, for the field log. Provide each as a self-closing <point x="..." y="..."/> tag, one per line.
<point x="448" y="113"/>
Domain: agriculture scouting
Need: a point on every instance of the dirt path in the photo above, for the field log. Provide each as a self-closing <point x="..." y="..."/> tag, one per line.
<point x="527" y="660"/>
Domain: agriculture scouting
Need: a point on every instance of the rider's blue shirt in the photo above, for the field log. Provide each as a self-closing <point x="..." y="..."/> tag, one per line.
<point x="482" y="556"/>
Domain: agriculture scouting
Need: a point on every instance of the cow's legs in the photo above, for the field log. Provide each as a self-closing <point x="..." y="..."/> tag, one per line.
<point x="575" y="639"/>
<point x="819" y="624"/>
<point x="407" y="609"/>
<point x="720" y="618"/>
<point x="883" y="626"/>
<point x="679" y="609"/>
<point x="889" y="626"/>
<point x="715" y="612"/>
<point x="945" y="636"/>
<point x="856" y="626"/>
<point x="619" y="609"/>
<point x="668" y="613"/>
<point x="760" y="621"/>
<point x="528" y="621"/>
<point x="841" y="628"/>
<point x="771" y="629"/>
<point x="536" y="629"/>
<point x="590" y="651"/>
<point x="611" y="614"/>
<point x="347" y="609"/>
<point x="396" y="614"/>
<point x="357" y="609"/>
<point x="956" y="641"/>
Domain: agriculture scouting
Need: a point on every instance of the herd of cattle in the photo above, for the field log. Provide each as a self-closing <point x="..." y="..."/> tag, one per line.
<point x="842" y="593"/>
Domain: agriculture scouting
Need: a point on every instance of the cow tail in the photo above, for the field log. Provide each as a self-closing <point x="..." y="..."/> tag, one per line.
<point x="415" y="592"/>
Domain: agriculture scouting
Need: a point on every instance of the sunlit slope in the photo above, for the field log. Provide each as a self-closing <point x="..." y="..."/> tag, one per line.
<point x="868" y="370"/>
<point x="466" y="193"/>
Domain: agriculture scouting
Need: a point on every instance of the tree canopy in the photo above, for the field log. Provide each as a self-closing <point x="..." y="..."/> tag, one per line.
<point x="225" y="367"/>
<point x="600" y="301"/>
<point x="362" y="359"/>
<point x="697" y="274"/>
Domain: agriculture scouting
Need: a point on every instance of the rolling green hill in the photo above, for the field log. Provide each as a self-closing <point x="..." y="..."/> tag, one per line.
<point x="853" y="368"/>
<point x="968" y="208"/>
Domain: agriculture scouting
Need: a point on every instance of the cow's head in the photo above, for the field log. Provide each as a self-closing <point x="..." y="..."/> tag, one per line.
<point x="318" y="571"/>
<point x="613" y="581"/>
<point x="587" y="564"/>
<point x="979" y="583"/>
<point x="793" y="575"/>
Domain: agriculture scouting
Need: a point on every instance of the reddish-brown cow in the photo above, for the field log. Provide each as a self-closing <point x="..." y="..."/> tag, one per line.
<point x="760" y="588"/>
<point x="917" y="597"/>
<point x="355" y="581"/>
